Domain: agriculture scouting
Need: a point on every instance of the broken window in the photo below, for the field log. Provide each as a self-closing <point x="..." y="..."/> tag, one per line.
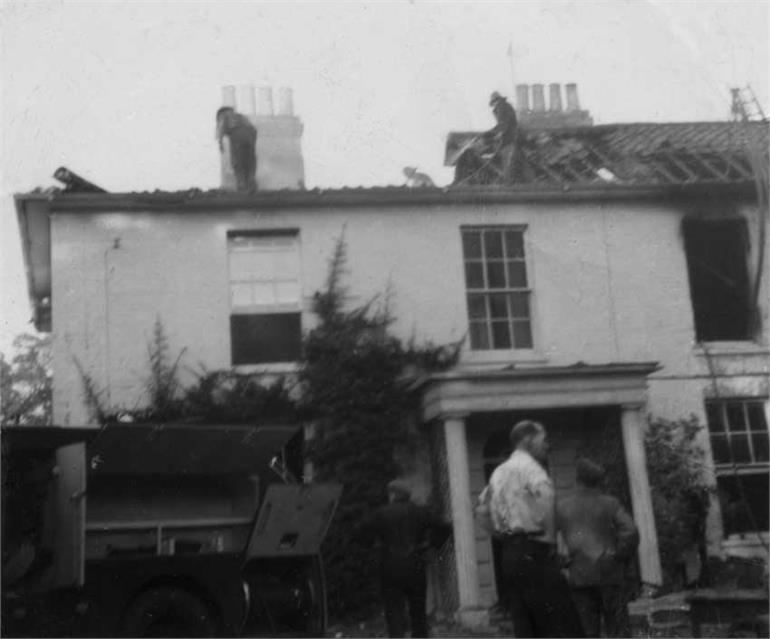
<point x="740" y="447"/>
<point x="265" y="297"/>
<point x="498" y="295"/>
<point x="719" y="280"/>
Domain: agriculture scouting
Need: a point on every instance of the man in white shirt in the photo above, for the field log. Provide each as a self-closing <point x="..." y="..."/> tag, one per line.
<point x="522" y="509"/>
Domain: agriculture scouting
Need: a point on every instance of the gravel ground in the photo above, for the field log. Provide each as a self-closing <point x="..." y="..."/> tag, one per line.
<point x="375" y="627"/>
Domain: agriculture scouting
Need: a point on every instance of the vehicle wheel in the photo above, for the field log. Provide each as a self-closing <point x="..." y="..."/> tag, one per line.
<point x="168" y="612"/>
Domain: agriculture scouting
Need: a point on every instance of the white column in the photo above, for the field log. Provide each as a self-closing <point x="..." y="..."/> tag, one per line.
<point x="633" y="424"/>
<point x="470" y="611"/>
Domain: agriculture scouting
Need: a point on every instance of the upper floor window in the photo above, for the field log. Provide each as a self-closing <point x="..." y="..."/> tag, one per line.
<point x="741" y="451"/>
<point x="497" y="288"/>
<point x="719" y="280"/>
<point x="265" y="296"/>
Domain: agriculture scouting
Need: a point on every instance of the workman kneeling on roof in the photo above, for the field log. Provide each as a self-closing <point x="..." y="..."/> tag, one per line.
<point x="502" y="138"/>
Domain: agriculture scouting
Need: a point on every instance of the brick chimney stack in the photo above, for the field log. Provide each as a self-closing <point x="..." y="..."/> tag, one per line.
<point x="279" y="137"/>
<point x="537" y="117"/>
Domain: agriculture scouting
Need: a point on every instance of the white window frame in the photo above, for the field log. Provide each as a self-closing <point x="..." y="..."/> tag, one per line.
<point x="732" y="469"/>
<point x="492" y="355"/>
<point x="255" y="237"/>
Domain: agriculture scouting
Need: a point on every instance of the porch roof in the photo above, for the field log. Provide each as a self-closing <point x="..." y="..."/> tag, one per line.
<point x="462" y="391"/>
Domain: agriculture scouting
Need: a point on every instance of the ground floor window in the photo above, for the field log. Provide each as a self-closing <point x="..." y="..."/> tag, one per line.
<point x="740" y="445"/>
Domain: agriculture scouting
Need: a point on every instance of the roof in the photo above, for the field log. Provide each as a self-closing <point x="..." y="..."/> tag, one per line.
<point x="629" y="154"/>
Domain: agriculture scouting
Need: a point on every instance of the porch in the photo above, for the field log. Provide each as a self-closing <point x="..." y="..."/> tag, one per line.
<point x="469" y="413"/>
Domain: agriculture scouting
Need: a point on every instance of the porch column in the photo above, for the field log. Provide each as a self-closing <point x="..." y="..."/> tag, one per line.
<point x="470" y="611"/>
<point x="633" y="425"/>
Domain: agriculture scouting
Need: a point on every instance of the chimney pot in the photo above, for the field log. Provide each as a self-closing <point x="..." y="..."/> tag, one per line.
<point x="538" y="98"/>
<point x="265" y="101"/>
<point x="285" y="101"/>
<point x="246" y="104"/>
<point x="522" y="97"/>
<point x="554" y="98"/>
<point x="573" y="104"/>
<point x="228" y="96"/>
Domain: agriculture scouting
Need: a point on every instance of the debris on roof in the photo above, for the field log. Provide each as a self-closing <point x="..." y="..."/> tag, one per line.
<point x="634" y="154"/>
<point x="73" y="183"/>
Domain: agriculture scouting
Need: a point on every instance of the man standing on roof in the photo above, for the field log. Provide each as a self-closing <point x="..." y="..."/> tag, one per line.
<point x="502" y="137"/>
<point x="522" y="509"/>
<point x="243" y="141"/>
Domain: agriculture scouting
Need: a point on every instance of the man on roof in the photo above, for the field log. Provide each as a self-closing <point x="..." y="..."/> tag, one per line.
<point x="502" y="137"/>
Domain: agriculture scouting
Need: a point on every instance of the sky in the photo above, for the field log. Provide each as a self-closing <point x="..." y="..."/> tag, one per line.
<point x="124" y="93"/>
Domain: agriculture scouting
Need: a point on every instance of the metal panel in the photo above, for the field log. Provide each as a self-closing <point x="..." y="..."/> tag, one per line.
<point x="293" y="520"/>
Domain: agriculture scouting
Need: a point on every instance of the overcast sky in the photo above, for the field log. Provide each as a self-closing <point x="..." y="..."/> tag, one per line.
<point x="124" y="93"/>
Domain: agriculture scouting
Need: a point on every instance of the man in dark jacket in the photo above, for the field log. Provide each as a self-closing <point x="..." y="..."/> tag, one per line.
<point x="502" y="137"/>
<point x="600" y="537"/>
<point x="405" y="531"/>
<point x="243" y="142"/>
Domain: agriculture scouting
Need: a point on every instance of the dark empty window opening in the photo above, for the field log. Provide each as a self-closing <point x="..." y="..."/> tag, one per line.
<point x="719" y="279"/>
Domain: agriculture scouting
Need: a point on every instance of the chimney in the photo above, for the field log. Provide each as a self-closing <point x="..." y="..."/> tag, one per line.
<point x="522" y="97"/>
<point x="554" y="97"/>
<point x="246" y="104"/>
<point x="573" y="104"/>
<point x="265" y="101"/>
<point x="538" y="98"/>
<point x="285" y="102"/>
<point x="279" y="138"/>
<point x="228" y="96"/>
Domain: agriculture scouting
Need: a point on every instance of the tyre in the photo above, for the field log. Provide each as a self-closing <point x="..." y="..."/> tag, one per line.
<point x="168" y="612"/>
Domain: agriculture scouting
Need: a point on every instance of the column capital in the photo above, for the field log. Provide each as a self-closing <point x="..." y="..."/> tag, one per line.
<point x="632" y="407"/>
<point x="453" y="415"/>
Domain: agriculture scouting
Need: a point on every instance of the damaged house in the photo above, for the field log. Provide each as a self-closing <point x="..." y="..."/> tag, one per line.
<point x="621" y="276"/>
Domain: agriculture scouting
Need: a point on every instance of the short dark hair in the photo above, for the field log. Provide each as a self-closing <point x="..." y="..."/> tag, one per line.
<point x="524" y="429"/>
<point x="589" y="473"/>
<point x="223" y="110"/>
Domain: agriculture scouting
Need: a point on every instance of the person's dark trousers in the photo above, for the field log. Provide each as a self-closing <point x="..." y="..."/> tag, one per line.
<point x="602" y="606"/>
<point x="402" y="589"/>
<point x="536" y="592"/>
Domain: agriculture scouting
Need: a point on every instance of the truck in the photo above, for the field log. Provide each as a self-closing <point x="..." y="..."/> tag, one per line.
<point x="185" y="530"/>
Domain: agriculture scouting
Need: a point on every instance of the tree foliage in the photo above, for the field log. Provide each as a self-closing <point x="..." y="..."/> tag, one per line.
<point x="680" y="492"/>
<point x="355" y="391"/>
<point x="26" y="382"/>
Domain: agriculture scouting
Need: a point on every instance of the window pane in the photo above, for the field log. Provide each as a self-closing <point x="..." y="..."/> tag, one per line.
<point x="471" y="244"/>
<point x="287" y="292"/>
<point x="474" y="275"/>
<point x="501" y="335"/>
<point x="477" y="307"/>
<point x="522" y="334"/>
<point x="744" y="501"/>
<point x="735" y="420"/>
<point x="714" y="417"/>
<point x="719" y="449"/>
<point x="240" y="294"/>
<point x="740" y="446"/>
<point x="498" y="305"/>
<point x="496" y="274"/>
<point x="493" y="244"/>
<point x="760" y="443"/>
<point x="757" y="420"/>
<point x="479" y="336"/>
<point x="514" y="244"/>
<point x="517" y="274"/>
<point x="286" y="265"/>
<point x="259" y="339"/>
<point x="520" y="305"/>
<point x="263" y="293"/>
